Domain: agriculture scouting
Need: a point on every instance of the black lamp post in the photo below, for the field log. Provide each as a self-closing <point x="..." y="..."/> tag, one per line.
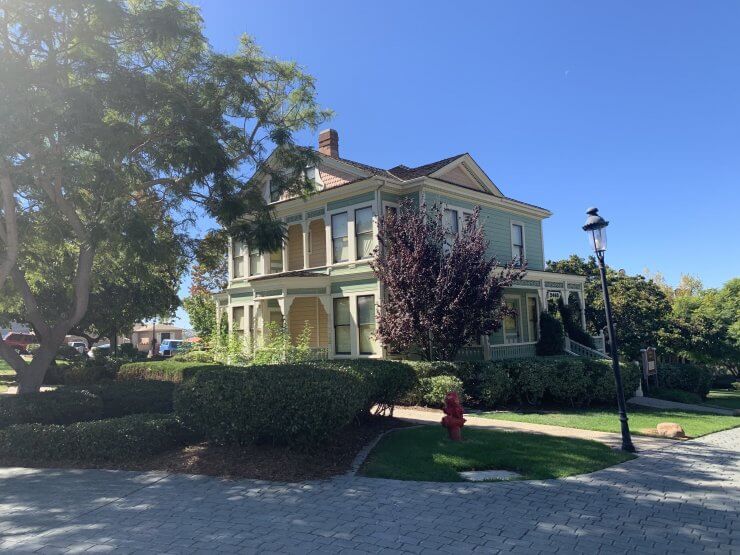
<point x="596" y="229"/>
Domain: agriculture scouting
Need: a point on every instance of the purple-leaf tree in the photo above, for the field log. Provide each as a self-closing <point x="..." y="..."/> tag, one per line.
<point x="442" y="291"/>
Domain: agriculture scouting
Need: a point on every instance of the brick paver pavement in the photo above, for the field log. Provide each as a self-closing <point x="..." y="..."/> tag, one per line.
<point x="684" y="498"/>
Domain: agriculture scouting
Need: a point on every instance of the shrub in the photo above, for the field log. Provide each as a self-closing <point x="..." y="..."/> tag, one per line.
<point x="388" y="381"/>
<point x="278" y="347"/>
<point x="437" y="387"/>
<point x="162" y="370"/>
<point x="286" y="404"/>
<point x="687" y="377"/>
<point x="194" y="356"/>
<point x="67" y="352"/>
<point x="552" y="335"/>
<point x="117" y="439"/>
<point x="134" y="397"/>
<point x="128" y="350"/>
<point x="49" y="407"/>
<point x="89" y="373"/>
<point x="496" y="386"/>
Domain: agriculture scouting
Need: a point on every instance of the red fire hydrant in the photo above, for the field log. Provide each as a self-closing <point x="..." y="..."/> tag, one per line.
<point x="453" y="420"/>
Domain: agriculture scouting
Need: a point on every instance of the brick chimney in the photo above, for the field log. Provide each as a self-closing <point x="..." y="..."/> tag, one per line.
<point x="329" y="143"/>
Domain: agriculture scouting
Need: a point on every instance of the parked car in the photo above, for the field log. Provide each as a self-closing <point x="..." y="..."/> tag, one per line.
<point x="170" y="347"/>
<point x="99" y="350"/>
<point x="20" y="341"/>
<point x="79" y="346"/>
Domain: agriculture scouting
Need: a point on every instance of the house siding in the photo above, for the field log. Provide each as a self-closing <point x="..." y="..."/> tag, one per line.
<point x="497" y="227"/>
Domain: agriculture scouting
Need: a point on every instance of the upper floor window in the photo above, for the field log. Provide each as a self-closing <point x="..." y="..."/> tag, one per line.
<point x="274" y="191"/>
<point x="237" y="259"/>
<point x="254" y="262"/>
<point x="517" y="243"/>
<point x="339" y="238"/>
<point x="452" y="227"/>
<point x="364" y="232"/>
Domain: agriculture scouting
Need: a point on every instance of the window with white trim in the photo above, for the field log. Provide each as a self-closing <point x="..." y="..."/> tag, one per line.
<point x="254" y="262"/>
<point x="366" y="324"/>
<point x="342" y="326"/>
<point x="237" y="321"/>
<point x="511" y="322"/>
<point x="237" y="260"/>
<point x="517" y="244"/>
<point x="451" y="226"/>
<point x="364" y="232"/>
<point x="339" y="237"/>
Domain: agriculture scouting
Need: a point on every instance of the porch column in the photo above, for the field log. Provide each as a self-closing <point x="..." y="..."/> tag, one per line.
<point x="328" y="304"/>
<point x="582" y="302"/>
<point x="304" y="225"/>
<point x="284" y="252"/>
<point x="284" y="303"/>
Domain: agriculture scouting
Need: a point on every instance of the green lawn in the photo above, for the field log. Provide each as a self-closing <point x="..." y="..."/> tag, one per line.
<point x="7" y="376"/>
<point x="729" y="399"/>
<point x="426" y="454"/>
<point x="694" y="424"/>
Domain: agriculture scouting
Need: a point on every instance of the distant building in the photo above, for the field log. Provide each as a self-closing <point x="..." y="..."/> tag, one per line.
<point x="141" y="337"/>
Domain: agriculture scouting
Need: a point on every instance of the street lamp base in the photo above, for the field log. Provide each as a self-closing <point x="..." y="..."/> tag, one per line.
<point x="629" y="447"/>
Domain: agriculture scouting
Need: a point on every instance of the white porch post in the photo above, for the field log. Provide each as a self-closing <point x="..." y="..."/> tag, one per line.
<point x="328" y="304"/>
<point x="329" y="248"/>
<point x="284" y="252"/>
<point x="304" y="226"/>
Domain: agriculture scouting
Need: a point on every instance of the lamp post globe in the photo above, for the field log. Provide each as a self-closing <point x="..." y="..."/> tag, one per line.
<point x="595" y="227"/>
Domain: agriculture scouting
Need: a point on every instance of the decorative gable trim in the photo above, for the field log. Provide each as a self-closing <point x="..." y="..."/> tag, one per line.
<point x="473" y="170"/>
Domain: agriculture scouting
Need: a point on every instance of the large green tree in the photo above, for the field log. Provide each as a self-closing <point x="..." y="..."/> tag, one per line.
<point x="115" y="115"/>
<point x="639" y="306"/>
<point x="706" y="326"/>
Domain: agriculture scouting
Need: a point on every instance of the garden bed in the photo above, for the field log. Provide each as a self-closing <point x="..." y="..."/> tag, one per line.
<point x="259" y="462"/>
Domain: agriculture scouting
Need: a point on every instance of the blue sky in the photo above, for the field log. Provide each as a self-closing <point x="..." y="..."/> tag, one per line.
<point x="633" y="107"/>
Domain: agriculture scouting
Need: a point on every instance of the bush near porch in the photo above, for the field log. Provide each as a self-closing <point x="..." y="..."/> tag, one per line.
<point x="569" y="381"/>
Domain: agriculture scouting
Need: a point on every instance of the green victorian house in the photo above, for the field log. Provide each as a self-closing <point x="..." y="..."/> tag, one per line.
<point x="322" y="275"/>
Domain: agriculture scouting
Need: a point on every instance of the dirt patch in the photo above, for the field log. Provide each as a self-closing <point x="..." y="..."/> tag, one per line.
<point x="259" y="462"/>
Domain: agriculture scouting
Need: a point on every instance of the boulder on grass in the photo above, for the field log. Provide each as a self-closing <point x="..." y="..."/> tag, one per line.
<point x="670" y="429"/>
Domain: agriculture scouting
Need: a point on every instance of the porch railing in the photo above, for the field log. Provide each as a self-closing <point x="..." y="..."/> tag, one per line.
<point x="599" y="343"/>
<point x="513" y="350"/>
<point x="470" y="352"/>
<point x="319" y="353"/>
<point x="578" y="350"/>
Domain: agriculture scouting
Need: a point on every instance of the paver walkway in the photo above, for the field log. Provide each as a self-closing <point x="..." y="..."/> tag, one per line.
<point x="654" y="403"/>
<point x="683" y="498"/>
<point x="642" y="443"/>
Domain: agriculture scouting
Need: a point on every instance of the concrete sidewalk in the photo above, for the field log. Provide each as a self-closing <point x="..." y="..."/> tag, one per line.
<point x="654" y="403"/>
<point x="642" y="443"/>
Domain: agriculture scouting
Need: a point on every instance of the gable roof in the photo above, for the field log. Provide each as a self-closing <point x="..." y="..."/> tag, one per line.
<point x="405" y="173"/>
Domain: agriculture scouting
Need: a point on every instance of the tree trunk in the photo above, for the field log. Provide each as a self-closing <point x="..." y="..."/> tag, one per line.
<point x="31" y="375"/>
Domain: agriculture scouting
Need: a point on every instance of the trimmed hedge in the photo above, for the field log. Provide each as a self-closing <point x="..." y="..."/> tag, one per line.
<point x="163" y="370"/>
<point x="571" y="381"/>
<point x="687" y="377"/>
<point x="283" y="404"/>
<point x="50" y="407"/>
<point x="194" y="356"/>
<point x="388" y="381"/>
<point x="134" y="397"/>
<point x="116" y="439"/>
